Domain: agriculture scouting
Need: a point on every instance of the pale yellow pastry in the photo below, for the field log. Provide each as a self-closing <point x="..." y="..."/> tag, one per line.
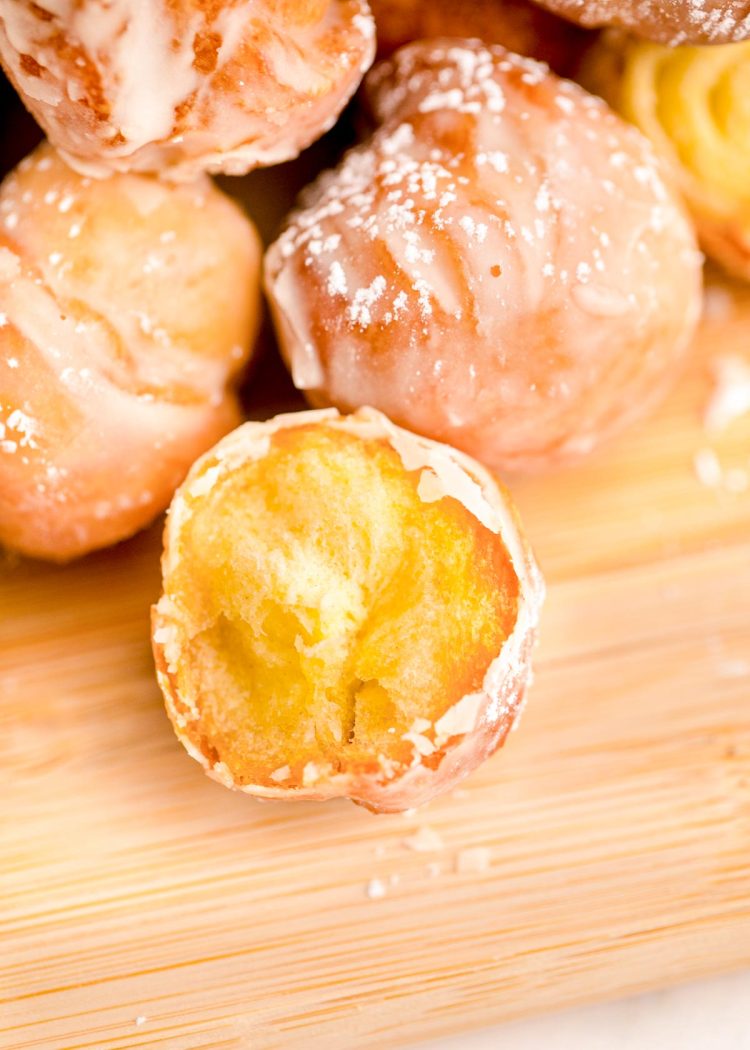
<point x="694" y="105"/>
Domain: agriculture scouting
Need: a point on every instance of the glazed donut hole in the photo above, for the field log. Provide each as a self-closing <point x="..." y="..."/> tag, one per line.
<point x="670" y="22"/>
<point x="692" y="102"/>
<point x="179" y="87"/>
<point x="503" y="266"/>
<point x="519" y="25"/>
<point x="344" y="604"/>
<point x="174" y="260"/>
<point x="127" y="309"/>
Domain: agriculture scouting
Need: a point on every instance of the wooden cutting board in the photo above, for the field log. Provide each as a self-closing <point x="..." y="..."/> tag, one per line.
<point x="143" y="905"/>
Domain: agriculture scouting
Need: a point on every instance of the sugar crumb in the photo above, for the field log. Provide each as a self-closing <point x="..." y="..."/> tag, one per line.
<point x="424" y="840"/>
<point x="730" y="399"/>
<point x="473" y="860"/>
<point x="707" y="468"/>
<point x="375" y="889"/>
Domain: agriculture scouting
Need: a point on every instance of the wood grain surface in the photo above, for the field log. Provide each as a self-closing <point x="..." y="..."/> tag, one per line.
<point x="142" y="905"/>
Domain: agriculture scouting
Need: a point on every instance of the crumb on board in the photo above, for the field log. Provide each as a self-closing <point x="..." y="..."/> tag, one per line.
<point x="473" y="860"/>
<point x="707" y="468"/>
<point x="468" y="860"/>
<point x="709" y="471"/>
<point x="375" y="889"/>
<point x="424" y="840"/>
<point x="734" y="669"/>
<point x="730" y="399"/>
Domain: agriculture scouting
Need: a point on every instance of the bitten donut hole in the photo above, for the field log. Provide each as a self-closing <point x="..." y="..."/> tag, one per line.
<point x="329" y="615"/>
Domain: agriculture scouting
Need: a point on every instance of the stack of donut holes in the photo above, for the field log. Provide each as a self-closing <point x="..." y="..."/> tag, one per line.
<point x="501" y="274"/>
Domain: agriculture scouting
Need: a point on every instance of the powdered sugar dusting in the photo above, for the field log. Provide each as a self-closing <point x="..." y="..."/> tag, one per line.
<point x="673" y="22"/>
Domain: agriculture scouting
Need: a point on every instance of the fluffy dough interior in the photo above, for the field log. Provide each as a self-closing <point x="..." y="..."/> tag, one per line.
<point x="331" y="610"/>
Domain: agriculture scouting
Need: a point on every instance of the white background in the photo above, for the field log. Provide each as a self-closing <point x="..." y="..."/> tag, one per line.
<point x="709" y="1015"/>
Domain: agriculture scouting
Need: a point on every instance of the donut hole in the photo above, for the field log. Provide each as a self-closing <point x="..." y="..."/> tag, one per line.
<point x="328" y="615"/>
<point x="128" y="307"/>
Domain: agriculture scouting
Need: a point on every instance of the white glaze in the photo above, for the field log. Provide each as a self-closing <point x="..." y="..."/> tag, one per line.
<point x="163" y="112"/>
<point x="433" y="282"/>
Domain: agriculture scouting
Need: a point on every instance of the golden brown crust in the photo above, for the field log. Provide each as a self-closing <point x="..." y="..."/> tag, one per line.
<point x="128" y="308"/>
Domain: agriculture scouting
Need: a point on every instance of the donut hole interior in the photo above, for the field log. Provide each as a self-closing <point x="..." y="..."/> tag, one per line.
<point x="326" y="610"/>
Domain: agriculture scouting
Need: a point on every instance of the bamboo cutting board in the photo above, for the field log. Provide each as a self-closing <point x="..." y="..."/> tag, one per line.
<point x="605" y="850"/>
